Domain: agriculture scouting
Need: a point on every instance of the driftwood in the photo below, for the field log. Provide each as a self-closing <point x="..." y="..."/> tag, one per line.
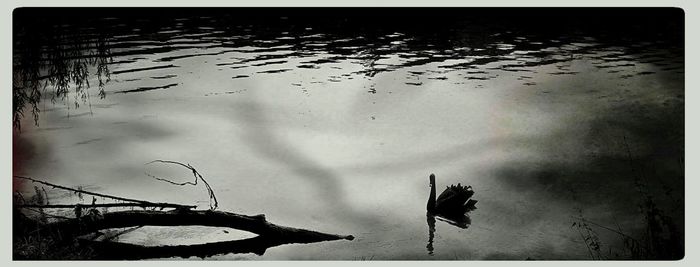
<point x="269" y="234"/>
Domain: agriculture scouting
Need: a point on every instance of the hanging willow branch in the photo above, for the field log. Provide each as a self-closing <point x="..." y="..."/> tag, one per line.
<point x="213" y="203"/>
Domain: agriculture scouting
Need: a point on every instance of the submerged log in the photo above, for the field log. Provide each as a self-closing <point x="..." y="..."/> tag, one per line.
<point x="269" y="234"/>
<point x="121" y="219"/>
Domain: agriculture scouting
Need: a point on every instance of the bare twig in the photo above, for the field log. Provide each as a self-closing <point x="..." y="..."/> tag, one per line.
<point x="20" y="197"/>
<point x="46" y="196"/>
<point x="213" y="203"/>
<point x="604" y="227"/>
<point x="585" y="241"/>
<point x="80" y="191"/>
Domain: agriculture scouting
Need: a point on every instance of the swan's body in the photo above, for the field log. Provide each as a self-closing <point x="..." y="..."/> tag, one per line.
<point x="454" y="201"/>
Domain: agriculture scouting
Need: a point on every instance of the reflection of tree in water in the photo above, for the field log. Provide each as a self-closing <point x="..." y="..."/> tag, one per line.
<point x="48" y="54"/>
<point x="369" y="62"/>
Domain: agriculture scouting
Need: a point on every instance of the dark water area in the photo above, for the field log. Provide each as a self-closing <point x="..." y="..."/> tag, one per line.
<point x="568" y="123"/>
<point x="425" y="35"/>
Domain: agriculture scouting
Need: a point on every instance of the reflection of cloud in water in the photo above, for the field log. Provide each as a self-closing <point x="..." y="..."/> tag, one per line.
<point x="326" y="181"/>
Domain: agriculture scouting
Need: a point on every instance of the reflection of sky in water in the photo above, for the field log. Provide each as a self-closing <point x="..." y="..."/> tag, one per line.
<point x="340" y="134"/>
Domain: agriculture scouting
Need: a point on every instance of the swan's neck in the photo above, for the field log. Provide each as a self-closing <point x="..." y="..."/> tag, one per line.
<point x="431" y="198"/>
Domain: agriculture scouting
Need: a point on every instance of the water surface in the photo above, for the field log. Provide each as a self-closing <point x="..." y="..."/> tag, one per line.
<point x="336" y="127"/>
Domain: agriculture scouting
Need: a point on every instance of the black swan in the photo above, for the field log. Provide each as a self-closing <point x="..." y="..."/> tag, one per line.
<point x="452" y="204"/>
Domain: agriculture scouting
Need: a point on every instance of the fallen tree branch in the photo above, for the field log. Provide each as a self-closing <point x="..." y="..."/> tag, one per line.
<point x="121" y="219"/>
<point x="106" y="205"/>
<point x="269" y="234"/>
<point x="143" y="202"/>
<point x="66" y="232"/>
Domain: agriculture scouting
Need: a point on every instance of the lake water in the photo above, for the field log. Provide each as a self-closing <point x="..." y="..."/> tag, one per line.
<point x="338" y="131"/>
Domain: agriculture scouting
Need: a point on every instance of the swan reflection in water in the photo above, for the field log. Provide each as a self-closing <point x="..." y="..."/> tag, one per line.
<point x="452" y="207"/>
